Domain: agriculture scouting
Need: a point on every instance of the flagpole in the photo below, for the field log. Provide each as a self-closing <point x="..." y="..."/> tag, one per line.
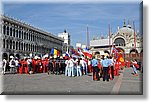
<point x="87" y="32"/>
<point x="134" y="36"/>
<point x="109" y="36"/>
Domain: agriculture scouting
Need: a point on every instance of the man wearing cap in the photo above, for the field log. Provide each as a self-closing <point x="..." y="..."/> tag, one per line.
<point x="95" y="69"/>
<point x="105" y="65"/>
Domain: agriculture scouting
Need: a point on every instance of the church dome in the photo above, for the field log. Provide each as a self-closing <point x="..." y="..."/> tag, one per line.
<point x="126" y="31"/>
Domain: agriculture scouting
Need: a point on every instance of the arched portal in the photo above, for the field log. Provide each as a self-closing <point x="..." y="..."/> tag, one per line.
<point x="5" y="56"/>
<point x="119" y="42"/>
<point x="133" y="53"/>
<point x="106" y="52"/>
<point x="18" y="56"/>
<point x="97" y="52"/>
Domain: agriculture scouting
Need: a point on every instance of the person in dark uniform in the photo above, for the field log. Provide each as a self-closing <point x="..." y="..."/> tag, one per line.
<point x="50" y="66"/>
<point x="57" y="64"/>
<point x="105" y="65"/>
<point x="62" y="65"/>
<point x="111" y="63"/>
<point x="95" y="69"/>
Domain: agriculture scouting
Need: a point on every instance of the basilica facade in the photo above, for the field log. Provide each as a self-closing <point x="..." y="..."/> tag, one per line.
<point x="126" y="41"/>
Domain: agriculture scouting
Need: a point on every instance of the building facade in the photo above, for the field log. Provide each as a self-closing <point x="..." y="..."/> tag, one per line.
<point x="126" y="40"/>
<point x="66" y="37"/>
<point x="19" y="39"/>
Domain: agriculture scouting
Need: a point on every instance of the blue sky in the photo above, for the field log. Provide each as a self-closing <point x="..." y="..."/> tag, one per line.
<point x="74" y="17"/>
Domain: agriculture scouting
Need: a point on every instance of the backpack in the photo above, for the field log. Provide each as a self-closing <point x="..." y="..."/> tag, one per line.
<point x="13" y="63"/>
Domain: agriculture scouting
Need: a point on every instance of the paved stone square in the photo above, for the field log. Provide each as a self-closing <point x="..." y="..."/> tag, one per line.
<point x="43" y="83"/>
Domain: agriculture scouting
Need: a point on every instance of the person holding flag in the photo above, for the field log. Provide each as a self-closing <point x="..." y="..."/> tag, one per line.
<point x="135" y="66"/>
<point x="121" y="60"/>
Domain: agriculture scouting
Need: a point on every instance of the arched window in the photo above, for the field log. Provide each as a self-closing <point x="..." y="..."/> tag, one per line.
<point x="13" y="32"/>
<point x="10" y="44"/>
<point x="13" y="44"/>
<point x="119" y="42"/>
<point x="3" y="43"/>
<point x="24" y="46"/>
<point x="7" y="44"/>
<point x="24" y="35"/>
<point x="17" y="33"/>
<point x="7" y="30"/>
<point x="19" y="45"/>
<point x="4" y="29"/>
<point x="10" y="31"/>
<point x="16" y="45"/>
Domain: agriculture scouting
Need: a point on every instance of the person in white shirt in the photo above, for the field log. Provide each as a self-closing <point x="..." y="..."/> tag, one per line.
<point x="17" y="64"/>
<point x="12" y="65"/>
<point x="29" y="61"/>
<point x="66" y="69"/>
<point x="71" y="67"/>
<point x="4" y="65"/>
<point x="111" y="62"/>
<point x="82" y="65"/>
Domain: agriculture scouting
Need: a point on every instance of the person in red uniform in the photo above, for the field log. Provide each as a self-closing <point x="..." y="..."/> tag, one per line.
<point x="117" y="68"/>
<point x="25" y="65"/>
<point x="21" y="66"/>
<point x="128" y="63"/>
<point x="100" y="68"/>
<point x="89" y="66"/>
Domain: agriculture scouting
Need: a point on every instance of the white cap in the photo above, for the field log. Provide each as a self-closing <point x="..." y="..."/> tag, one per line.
<point x="36" y="57"/>
<point x="11" y="56"/>
<point x="55" y="56"/>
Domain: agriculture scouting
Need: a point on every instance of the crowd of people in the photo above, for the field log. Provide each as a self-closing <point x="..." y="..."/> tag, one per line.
<point x="105" y="67"/>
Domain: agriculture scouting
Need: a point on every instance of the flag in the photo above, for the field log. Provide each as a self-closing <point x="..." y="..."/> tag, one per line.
<point x="121" y="60"/>
<point x="87" y="53"/>
<point x="80" y="52"/>
<point x="67" y="55"/>
<point x="55" y="52"/>
<point x="114" y="50"/>
<point x="52" y="51"/>
<point x="74" y="52"/>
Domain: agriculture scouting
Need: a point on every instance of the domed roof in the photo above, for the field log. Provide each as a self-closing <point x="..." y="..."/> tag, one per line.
<point x="126" y="31"/>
